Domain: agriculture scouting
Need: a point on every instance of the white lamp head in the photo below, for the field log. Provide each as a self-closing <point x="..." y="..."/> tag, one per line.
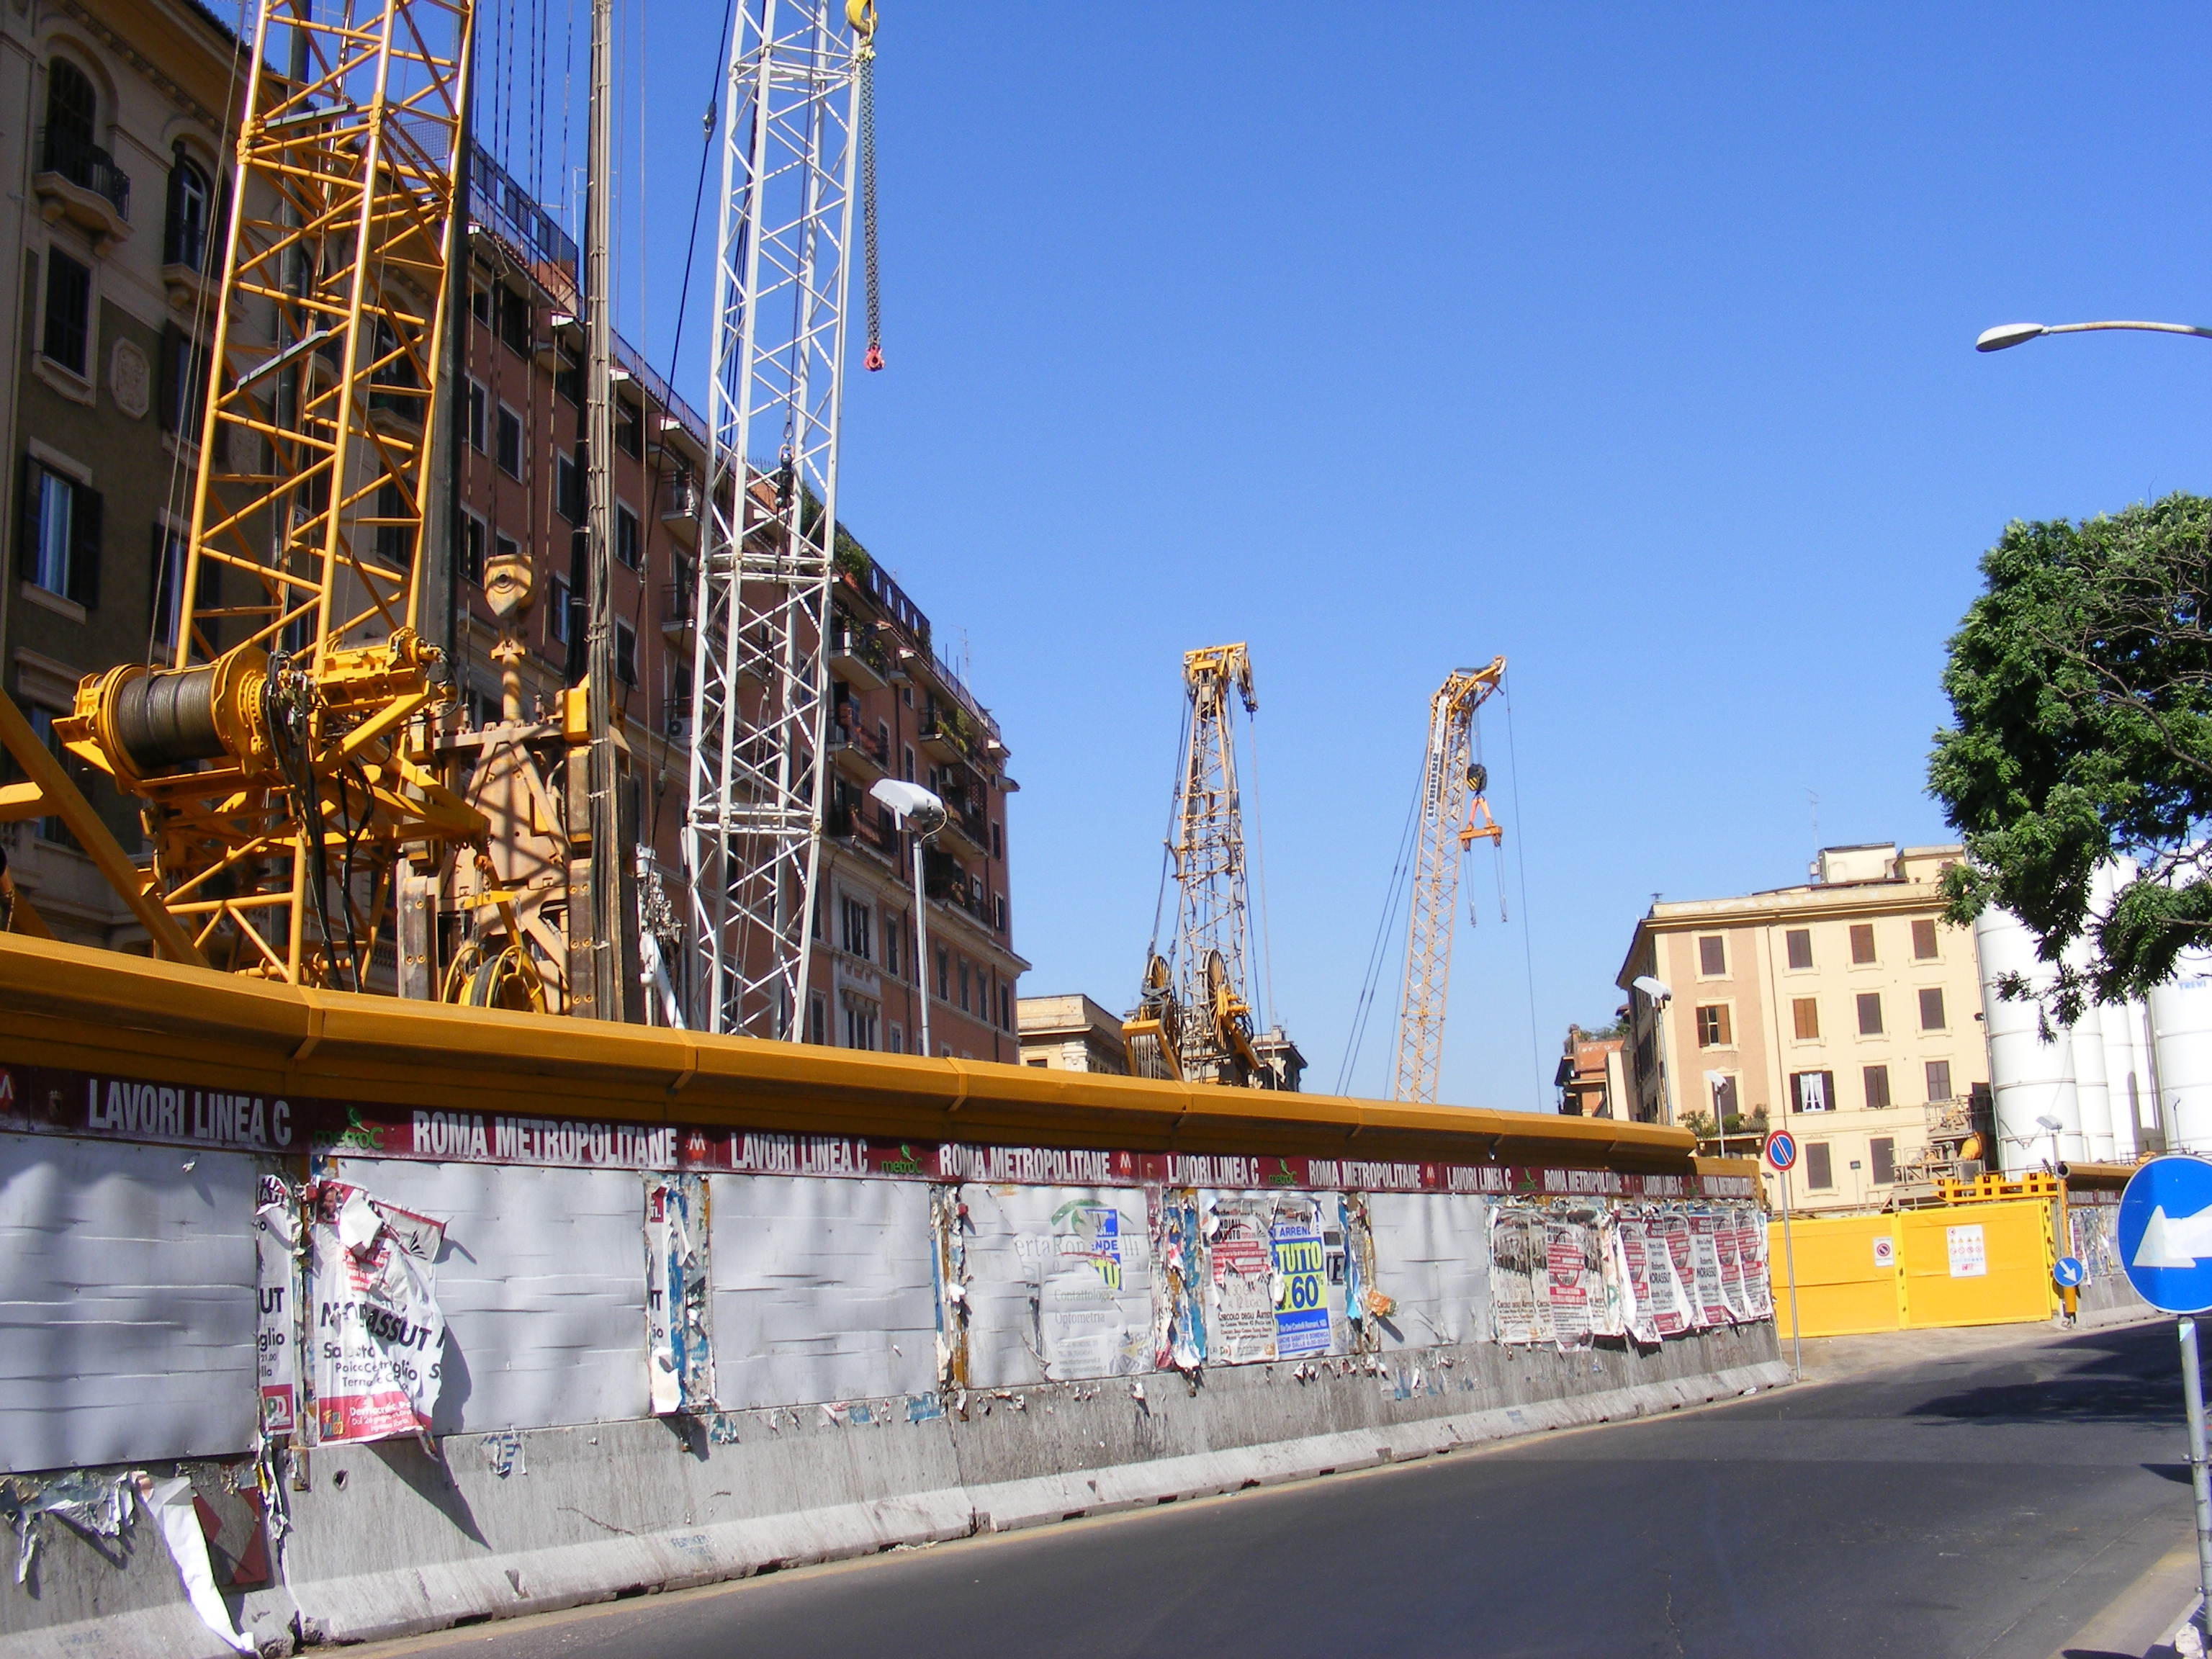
<point x="2007" y="334"/>
<point x="919" y="810"/>
<point x="1656" y="989"/>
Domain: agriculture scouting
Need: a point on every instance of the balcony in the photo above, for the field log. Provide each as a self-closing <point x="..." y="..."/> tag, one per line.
<point x="863" y="755"/>
<point x="678" y="602"/>
<point x="858" y="657"/>
<point x="681" y="505"/>
<point x="944" y="880"/>
<point x="943" y="732"/>
<point x="861" y="827"/>
<point x="963" y="820"/>
<point x="79" y="181"/>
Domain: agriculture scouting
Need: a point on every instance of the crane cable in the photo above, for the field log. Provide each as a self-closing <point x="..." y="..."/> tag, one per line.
<point x="861" y="15"/>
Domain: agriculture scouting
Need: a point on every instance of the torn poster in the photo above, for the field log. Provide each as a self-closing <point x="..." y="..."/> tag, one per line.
<point x="949" y="1226"/>
<point x="1632" y="1245"/>
<point x="276" y="1331"/>
<point x="1571" y="1279"/>
<point x="1272" y="1294"/>
<point x="1241" y="1319"/>
<point x="1092" y="1286"/>
<point x="1520" y="1289"/>
<point x="95" y="1505"/>
<point x="1352" y="1276"/>
<point x="1758" y="1289"/>
<point x="679" y="1338"/>
<point x="1180" y="1280"/>
<point x="1705" y="1265"/>
<point x="1672" y="1274"/>
<point x="1609" y="1293"/>
<point x="379" y="1338"/>
<point x="169" y="1505"/>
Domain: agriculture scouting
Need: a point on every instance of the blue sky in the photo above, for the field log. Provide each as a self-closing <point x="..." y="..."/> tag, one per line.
<point x="1635" y="347"/>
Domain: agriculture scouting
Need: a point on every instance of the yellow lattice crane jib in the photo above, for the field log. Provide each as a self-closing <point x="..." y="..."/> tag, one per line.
<point x="281" y="758"/>
<point x="1454" y="815"/>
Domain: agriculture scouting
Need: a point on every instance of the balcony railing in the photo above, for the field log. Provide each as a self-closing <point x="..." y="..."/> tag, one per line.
<point x="677" y="601"/>
<point x="85" y="165"/>
<point x="873" y="744"/>
<point x="860" y="644"/>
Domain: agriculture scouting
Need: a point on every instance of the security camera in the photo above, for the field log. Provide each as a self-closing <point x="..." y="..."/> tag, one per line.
<point x="919" y="810"/>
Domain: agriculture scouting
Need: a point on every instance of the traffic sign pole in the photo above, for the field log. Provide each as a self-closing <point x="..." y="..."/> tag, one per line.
<point x="2200" y="1484"/>
<point x="1781" y="1149"/>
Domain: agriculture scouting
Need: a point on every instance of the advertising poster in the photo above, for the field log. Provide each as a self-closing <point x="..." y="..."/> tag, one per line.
<point x="1520" y="1270"/>
<point x="1301" y="1282"/>
<point x="1091" y="1281"/>
<point x="1706" y="1268"/>
<point x="378" y="1337"/>
<point x="1244" y="1295"/>
<point x="1179" y="1309"/>
<point x="1632" y="1247"/>
<point x="1570" y="1279"/>
<point x="1727" y="1244"/>
<point x="275" y="1337"/>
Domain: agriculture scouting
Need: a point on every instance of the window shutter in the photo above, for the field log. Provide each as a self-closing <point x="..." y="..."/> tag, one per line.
<point x="27" y="522"/>
<point x="84" y="547"/>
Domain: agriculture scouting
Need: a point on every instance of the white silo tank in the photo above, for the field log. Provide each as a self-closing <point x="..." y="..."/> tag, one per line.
<point x="2091" y="1095"/>
<point x="2029" y="1077"/>
<point x="2181" y="1037"/>
<point x="2127" y="1079"/>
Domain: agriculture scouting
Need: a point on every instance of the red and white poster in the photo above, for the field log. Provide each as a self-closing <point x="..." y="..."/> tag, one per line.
<point x="1571" y="1278"/>
<point x="1673" y="1309"/>
<point x="377" y="1337"/>
<point x="275" y="1337"/>
<point x="1706" y="1259"/>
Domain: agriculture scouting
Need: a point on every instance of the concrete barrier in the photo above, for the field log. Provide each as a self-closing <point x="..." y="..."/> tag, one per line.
<point x="388" y="1541"/>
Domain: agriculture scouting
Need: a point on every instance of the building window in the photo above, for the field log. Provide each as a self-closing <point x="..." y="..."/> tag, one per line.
<point x="629" y="428"/>
<point x="1812" y="1092"/>
<point x="1724" y="1098"/>
<point x="1877" y="1087"/>
<point x="998" y="843"/>
<point x="1820" y="1167"/>
<point x="395" y="533"/>
<point x="857" y="929"/>
<point x="473" y="549"/>
<point x="897" y="1043"/>
<point x="1861" y="943"/>
<point x="1001" y="901"/>
<point x="1870" y="1013"/>
<point x="890" y="941"/>
<point x="1005" y="1008"/>
<point x="859" y="1023"/>
<point x="479" y="406"/>
<point x="1931" y="1009"/>
<point x="1939" y="1080"/>
<point x="568" y="486"/>
<point x="184" y="240"/>
<point x="60" y="537"/>
<point x="964" y="1008"/>
<point x="625" y="653"/>
<point x="511" y="318"/>
<point x="42" y="728"/>
<point x="944" y="974"/>
<point x="1799" y="943"/>
<point x="69" y="311"/>
<point x="510" y="442"/>
<point x="1713" y="1026"/>
<point x="1712" y="957"/>
<point x="568" y="379"/>
<point x="1805" y="1011"/>
<point x="184" y="386"/>
<point x="907" y="772"/>
<point x="1881" y="1152"/>
<point x="72" y="111"/>
<point x="557" y="611"/>
<point x="627" y="547"/>
<point x="817" y="1020"/>
<point x="170" y="550"/>
<point x="1923" y="940"/>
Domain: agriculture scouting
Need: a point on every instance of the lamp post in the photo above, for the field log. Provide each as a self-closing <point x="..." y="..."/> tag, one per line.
<point x="922" y="813"/>
<point x="2012" y="334"/>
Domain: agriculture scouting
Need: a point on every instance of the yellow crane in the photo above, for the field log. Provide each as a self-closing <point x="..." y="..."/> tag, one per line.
<point x="1454" y="815"/>
<point x="281" y="759"/>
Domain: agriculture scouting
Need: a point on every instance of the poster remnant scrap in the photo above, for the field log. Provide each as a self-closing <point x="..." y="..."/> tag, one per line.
<point x="1180" y="1280"/>
<point x="169" y="1504"/>
<point x="276" y="1327"/>
<point x="1570" y="1279"/>
<point x="1084" y="1275"/>
<point x="377" y="1335"/>
<point x="679" y="1340"/>
<point x="1520" y="1276"/>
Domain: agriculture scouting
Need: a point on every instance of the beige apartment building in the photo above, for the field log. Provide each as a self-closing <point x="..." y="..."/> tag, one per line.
<point x="1846" y="1009"/>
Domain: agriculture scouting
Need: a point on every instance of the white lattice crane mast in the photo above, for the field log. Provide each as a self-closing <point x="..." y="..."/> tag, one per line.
<point x="1452" y="817"/>
<point x="1195" y="1017"/>
<point x="752" y="829"/>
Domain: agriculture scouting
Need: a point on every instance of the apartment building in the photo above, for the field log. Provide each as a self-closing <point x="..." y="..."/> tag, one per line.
<point x="1591" y="1077"/>
<point x="112" y="141"/>
<point x="112" y="244"/>
<point x="1846" y="1008"/>
<point x="1072" y="1033"/>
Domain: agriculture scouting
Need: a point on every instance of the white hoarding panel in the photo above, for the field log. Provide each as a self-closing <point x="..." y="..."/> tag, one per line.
<point x="824" y="1290"/>
<point x="1059" y="1283"/>
<point x="541" y="1279"/>
<point x="126" y="1302"/>
<point x="1432" y="1256"/>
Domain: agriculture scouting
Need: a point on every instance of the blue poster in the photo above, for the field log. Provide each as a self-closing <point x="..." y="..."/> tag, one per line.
<point x="1301" y="1300"/>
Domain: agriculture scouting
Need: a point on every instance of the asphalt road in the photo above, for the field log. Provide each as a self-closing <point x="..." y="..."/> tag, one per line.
<point x="1985" y="1504"/>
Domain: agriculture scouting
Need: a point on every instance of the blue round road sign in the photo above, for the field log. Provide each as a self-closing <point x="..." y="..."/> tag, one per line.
<point x="1782" y="1149"/>
<point x="2068" y="1272"/>
<point x="2165" y="1234"/>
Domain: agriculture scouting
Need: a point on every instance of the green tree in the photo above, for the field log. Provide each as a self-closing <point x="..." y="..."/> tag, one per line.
<point x="2080" y="688"/>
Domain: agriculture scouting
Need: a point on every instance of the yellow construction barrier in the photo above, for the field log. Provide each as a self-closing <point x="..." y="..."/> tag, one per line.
<point x="1981" y="1264"/>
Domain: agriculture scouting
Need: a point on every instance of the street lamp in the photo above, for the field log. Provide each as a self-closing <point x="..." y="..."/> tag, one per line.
<point x="2050" y="1125"/>
<point x="2012" y="334"/>
<point x="923" y="813"/>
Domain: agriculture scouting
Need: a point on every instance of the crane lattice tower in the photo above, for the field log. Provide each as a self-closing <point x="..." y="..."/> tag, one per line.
<point x="1454" y="815"/>
<point x="752" y="829"/>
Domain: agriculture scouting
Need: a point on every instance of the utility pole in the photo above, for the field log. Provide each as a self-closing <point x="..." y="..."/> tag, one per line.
<point x="612" y="978"/>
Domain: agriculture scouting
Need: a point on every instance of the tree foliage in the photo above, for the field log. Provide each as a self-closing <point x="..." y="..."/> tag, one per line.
<point x="2080" y="688"/>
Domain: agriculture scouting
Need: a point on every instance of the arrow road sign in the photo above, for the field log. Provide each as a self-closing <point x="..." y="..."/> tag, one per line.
<point x="2069" y="1273"/>
<point x="2165" y="1234"/>
<point x="1782" y="1149"/>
